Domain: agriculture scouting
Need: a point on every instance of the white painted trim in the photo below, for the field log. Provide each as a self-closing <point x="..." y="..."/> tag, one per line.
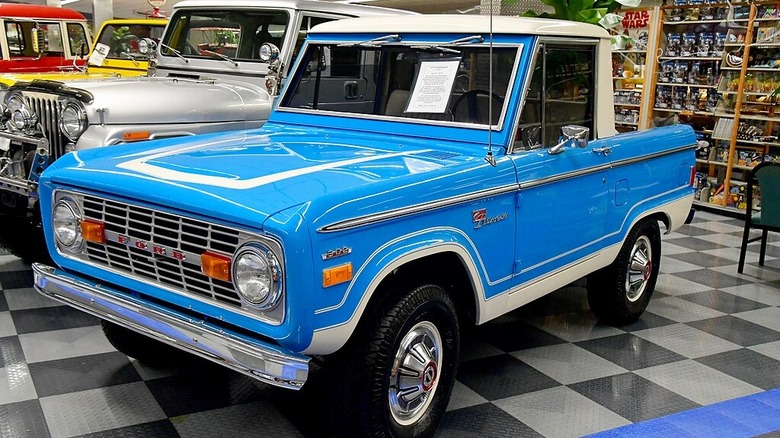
<point x="329" y="339"/>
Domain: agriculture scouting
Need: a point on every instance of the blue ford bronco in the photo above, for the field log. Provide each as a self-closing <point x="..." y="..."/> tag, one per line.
<point x="418" y="175"/>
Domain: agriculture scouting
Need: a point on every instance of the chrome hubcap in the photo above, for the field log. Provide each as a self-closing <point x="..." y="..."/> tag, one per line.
<point x="640" y="268"/>
<point x="415" y="372"/>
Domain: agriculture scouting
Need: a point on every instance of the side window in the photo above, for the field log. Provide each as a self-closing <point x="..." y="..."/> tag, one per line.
<point x="561" y="93"/>
<point x="52" y="38"/>
<point x="307" y="23"/>
<point x="14" y="33"/>
<point x="77" y="37"/>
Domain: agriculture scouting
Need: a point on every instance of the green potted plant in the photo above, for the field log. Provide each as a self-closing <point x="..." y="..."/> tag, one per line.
<point x="600" y="12"/>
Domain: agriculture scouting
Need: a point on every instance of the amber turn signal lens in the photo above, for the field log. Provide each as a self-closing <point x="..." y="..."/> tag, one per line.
<point x="336" y="275"/>
<point x="137" y="135"/>
<point x="215" y="266"/>
<point x="93" y="231"/>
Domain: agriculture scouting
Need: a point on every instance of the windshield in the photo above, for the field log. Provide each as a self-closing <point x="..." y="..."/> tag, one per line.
<point x="445" y="83"/>
<point x="219" y="34"/>
<point x="122" y="40"/>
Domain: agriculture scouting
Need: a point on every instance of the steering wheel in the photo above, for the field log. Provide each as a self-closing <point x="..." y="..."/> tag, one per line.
<point x="474" y="112"/>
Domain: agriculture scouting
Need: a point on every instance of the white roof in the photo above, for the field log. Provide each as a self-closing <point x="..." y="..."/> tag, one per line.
<point x="303" y="5"/>
<point x="462" y="24"/>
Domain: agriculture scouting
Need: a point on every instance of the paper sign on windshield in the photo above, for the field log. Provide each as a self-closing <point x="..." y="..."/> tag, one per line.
<point x="98" y="54"/>
<point x="433" y="86"/>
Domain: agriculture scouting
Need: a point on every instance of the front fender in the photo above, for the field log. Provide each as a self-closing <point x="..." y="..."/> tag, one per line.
<point x="336" y="323"/>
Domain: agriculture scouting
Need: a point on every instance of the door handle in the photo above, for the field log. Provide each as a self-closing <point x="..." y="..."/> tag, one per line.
<point x="605" y="150"/>
<point x="350" y="90"/>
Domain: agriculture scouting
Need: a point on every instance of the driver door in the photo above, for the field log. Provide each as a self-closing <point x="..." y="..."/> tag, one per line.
<point x="563" y="196"/>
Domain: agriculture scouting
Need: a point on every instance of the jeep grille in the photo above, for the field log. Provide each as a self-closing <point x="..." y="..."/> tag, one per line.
<point x="47" y="107"/>
<point x="175" y="233"/>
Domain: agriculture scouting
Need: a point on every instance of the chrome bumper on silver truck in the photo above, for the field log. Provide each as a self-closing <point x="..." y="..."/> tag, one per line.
<point x="265" y="362"/>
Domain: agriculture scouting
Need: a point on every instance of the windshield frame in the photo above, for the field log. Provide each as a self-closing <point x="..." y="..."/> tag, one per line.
<point x="180" y="19"/>
<point x="405" y="44"/>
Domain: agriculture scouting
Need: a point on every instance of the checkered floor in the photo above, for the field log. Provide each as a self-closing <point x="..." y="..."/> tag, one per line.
<point x="549" y="369"/>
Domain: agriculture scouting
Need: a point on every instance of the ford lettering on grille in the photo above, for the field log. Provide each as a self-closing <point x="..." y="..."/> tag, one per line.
<point x="150" y="247"/>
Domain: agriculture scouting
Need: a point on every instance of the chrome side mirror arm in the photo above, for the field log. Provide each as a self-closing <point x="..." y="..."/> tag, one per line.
<point x="571" y="135"/>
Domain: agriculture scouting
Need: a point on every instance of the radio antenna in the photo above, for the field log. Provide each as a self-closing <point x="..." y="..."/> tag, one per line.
<point x="490" y="158"/>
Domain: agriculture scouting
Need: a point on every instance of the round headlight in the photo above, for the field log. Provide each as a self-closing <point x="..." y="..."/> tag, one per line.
<point x="73" y="120"/>
<point x="13" y="102"/>
<point x="256" y="276"/>
<point x="268" y="52"/>
<point x="65" y="222"/>
<point x="145" y="46"/>
<point x="23" y="119"/>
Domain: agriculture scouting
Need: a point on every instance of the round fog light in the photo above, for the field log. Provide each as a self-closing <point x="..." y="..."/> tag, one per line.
<point x="65" y="222"/>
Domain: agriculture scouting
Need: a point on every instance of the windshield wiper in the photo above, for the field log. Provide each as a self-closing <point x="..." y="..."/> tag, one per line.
<point x="220" y="56"/>
<point x="375" y="42"/>
<point x="129" y="56"/>
<point x="474" y="39"/>
<point x="175" y="52"/>
<point x="433" y="48"/>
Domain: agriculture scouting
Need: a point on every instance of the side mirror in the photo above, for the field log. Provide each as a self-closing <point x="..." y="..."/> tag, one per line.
<point x="573" y="135"/>
<point x="38" y="41"/>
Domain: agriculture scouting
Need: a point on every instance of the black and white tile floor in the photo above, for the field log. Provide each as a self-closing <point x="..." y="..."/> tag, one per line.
<point x="549" y="369"/>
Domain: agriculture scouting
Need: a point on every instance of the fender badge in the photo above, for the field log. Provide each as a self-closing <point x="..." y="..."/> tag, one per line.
<point x="338" y="252"/>
<point x="481" y="219"/>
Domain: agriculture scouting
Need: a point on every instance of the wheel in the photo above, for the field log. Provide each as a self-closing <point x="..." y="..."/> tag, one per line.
<point x="396" y="377"/>
<point x="139" y="346"/>
<point x="473" y="108"/>
<point x="619" y="293"/>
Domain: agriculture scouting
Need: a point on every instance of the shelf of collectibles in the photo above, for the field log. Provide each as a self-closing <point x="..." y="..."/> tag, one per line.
<point x="630" y="49"/>
<point x="747" y="124"/>
<point x="684" y="89"/>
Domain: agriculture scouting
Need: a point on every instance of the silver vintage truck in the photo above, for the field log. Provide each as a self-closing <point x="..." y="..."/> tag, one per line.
<point x="210" y="74"/>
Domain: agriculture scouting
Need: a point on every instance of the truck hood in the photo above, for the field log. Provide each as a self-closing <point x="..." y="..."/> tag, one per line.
<point x="153" y="100"/>
<point x="248" y="176"/>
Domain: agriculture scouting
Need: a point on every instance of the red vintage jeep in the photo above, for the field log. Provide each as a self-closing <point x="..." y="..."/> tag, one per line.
<point x="42" y="38"/>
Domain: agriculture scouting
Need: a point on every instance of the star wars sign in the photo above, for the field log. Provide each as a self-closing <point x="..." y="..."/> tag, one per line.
<point x="635" y="19"/>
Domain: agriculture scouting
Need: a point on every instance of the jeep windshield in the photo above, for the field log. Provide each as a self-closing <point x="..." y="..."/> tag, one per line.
<point x="429" y="83"/>
<point x="227" y="35"/>
<point x="122" y="40"/>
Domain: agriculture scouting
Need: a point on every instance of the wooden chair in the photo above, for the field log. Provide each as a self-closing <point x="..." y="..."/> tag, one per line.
<point x="766" y="216"/>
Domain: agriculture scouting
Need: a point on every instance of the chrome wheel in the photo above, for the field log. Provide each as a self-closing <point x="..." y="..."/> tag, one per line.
<point x="640" y="268"/>
<point x="414" y="375"/>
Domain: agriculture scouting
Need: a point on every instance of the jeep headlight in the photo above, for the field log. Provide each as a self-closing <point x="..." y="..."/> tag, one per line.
<point x="73" y="120"/>
<point x="13" y="102"/>
<point x="257" y="276"/>
<point x="65" y="222"/>
<point x="21" y="117"/>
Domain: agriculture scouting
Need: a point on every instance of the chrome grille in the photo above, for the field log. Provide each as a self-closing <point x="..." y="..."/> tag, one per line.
<point x="47" y="108"/>
<point x="176" y="233"/>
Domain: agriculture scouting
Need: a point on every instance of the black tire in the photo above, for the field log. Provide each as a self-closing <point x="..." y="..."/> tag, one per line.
<point x="619" y="293"/>
<point x="141" y="347"/>
<point x="365" y="402"/>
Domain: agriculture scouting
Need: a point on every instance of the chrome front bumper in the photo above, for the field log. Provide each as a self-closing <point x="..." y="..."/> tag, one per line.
<point x="265" y="362"/>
